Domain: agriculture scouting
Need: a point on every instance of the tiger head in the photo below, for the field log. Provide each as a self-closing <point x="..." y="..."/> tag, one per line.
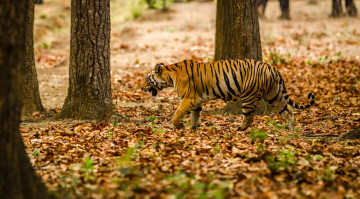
<point x="156" y="80"/>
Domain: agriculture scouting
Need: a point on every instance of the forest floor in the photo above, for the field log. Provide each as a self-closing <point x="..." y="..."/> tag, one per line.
<point x="138" y="153"/>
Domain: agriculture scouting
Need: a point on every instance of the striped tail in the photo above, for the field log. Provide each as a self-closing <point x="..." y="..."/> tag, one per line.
<point x="293" y="104"/>
<point x="290" y="102"/>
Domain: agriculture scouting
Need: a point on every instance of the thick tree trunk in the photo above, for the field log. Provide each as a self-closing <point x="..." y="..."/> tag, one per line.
<point x="336" y="9"/>
<point x="238" y="37"/>
<point x="285" y="9"/>
<point x="351" y="8"/>
<point x="237" y="30"/>
<point x="261" y="8"/>
<point x="18" y="179"/>
<point x="31" y="95"/>
<point x="89" y="95"/>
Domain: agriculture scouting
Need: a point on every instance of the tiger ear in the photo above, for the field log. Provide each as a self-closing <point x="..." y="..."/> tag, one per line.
<point x="158" y="68"/>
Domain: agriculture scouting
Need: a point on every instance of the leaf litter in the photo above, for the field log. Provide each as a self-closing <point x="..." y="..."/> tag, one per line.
<point x="138" y="153"/>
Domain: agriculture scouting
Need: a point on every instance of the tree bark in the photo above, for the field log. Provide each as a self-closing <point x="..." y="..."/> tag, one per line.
<point x="285" y="9"/>
<point x="237" y="30"/>
<point x="336" y="9"/>
<point x="31" y="96"/>
<point x="89" y="94"/>
<point x="351" y="8"/>
<point x="238" y="37"/>
<point x="353" y="134"/>
<point x="18" y="179"/>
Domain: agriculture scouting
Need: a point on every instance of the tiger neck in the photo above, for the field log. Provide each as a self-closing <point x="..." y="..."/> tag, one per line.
<point x="171" y="72"/>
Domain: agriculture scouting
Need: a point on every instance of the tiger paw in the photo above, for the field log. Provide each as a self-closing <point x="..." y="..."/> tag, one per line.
<point x="179" y="125"/>
<point x="195" y="126"/>
<point x="242" y="128"/>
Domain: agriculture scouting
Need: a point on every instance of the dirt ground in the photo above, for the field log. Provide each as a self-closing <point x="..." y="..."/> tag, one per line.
<point x="139" y="154"/>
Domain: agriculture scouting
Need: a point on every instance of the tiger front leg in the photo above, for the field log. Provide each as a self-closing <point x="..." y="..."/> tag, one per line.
<point x="247" y="121"/>
<point x="183" y="109"/>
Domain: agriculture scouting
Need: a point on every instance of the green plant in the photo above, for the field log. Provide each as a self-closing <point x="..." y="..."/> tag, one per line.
<point x="115" y="121"/>
<point x="87" y="169"/>
<point x="158" y="131"/>
<point x="318" y="157"/>
<point x="125" y="160"/>
<point x="276" y="59"/>
<point x="260" y="148"/>
<point x="282" y="161"/>
<point x="257" y="135"/>
<point x="217" y="148"/>
<point x="154" y="4"/>
<point x="185" y="185"/>
<point x="35" y="152"/>
<point x="152" y="118"/>
<point x="275" y="125"/>
<point x="328" y="174"/>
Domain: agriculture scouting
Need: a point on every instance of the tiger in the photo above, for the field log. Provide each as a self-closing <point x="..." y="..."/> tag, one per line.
<point x="230" y="80"/>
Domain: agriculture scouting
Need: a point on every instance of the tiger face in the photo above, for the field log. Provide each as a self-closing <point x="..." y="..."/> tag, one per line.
<point x="155" y="81"/>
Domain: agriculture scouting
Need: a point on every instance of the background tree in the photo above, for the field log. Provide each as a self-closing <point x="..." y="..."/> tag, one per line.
<point x="237" y="37"/>
<point x="285" y="9"/>
<point x="284" y="6"/>
<point x="261" y="8"/>
<point x="31" y="96"/>
<point x="18" y="179"/>
<point x="337" y="9"/>
<point x="351" y="8"/>
<point x="89" y="94"/>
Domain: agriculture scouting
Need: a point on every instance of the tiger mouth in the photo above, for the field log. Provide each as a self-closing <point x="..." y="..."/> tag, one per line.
<point x="152" y="91"/>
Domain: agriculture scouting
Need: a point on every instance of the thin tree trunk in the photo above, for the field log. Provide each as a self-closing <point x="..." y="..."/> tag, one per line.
<point x="238" y="37"/>
<point x="31" y="95"/>
<point x="351" y="8"/>
<point x="89" y="94"/>
<point x="18" y="179"/>
<point x="336" y="9"/>
<point x="261" y="8"/>
<point x="285" y="9"/>
<point x="313" y="2"/>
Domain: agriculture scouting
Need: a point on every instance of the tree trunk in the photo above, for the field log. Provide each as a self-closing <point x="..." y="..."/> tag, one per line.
<point x="285" y="9"/>
<point x="31" y="95"/>
<point x="238" y="37"/>
<point x="261" y="8"/>
<point x="351" y="8"/>
<point x="336" y="9"/>
<point x="18" y="179"/>
<point x="313" y="2"/>
<point x="353" y="134"/>
<point x="237" y="30"/>
<point x="89" y="94"/>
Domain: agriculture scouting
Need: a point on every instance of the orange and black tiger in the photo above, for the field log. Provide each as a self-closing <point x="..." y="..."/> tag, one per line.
<point x="246" y="80"/>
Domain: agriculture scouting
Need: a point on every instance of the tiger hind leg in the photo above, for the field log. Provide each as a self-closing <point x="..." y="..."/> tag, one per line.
<point x="195" y="118"/>
<point x="248" y="109"/>
<point x="288" y="115"/>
